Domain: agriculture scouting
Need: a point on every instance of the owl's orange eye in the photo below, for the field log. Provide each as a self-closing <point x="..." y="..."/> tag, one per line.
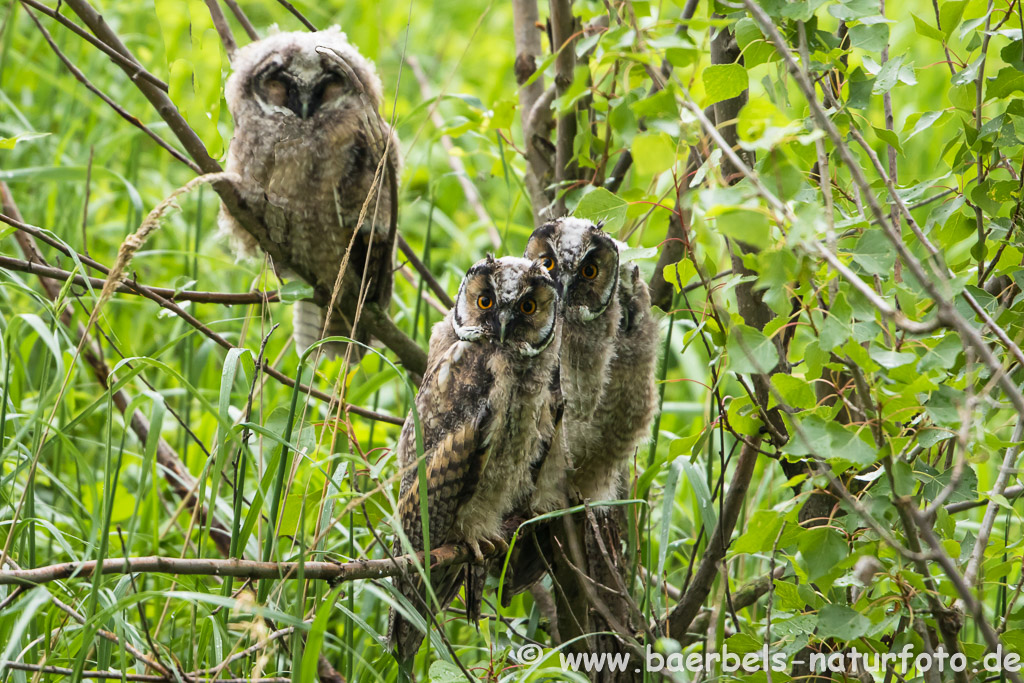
<point x="548" y="262"/>
<point x="589" y="271"/>
<point x="484" y="302"/>
<point x="529" y="306"/>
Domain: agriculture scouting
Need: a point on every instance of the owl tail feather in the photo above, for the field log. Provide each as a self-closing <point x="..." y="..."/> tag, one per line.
<point x="530" y="560"/>
<point x="406" y="636"/>
<point x="308" y="328"/>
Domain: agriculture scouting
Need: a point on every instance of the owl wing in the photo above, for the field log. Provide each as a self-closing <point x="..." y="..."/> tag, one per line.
<point x="454" y="466"/>
<point x="456" y="425"/>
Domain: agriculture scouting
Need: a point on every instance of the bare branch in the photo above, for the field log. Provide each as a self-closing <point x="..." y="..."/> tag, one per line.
<point x="177" y="475"/>
<point x="121" y="111"/>
<point x="133" y="69"/>
<point x="224" y="298"/>
<point x="525" y="19"/>
<point x="376" y="317"/>
<point x="563" y="33"/>
<point x="247" y="26"/>
<point x="682" y="615"/>
<point x="121" y="676"/>
<point x="220" y="22"/>
<point x="334" y="572"/>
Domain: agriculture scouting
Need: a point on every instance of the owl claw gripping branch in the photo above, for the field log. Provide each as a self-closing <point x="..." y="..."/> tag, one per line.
<point x="539" y="387"/>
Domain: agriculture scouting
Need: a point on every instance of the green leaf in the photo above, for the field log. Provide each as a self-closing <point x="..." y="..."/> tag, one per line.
<point x="795" y="391"/>
<point x="891" y="359"/>
<point x="889" y="137"/>
<point x="927" y="30"/>
<point x="653" y="153"/>
<point x="924" y="122"/>
<point x="295" y="290"/>
<point x="751" y="352"/>
<point x="315" y="640"/>
<point x="842" y="622"/>
<point x="602" y="205"/>
<point x="890" y="73"/>
<point x="950" y="14"/>
<point x="1008" y="80"/>
<point x="874" y="253"/>
<point x="749" y="227"/>
<point x="445" y="672"/>
<point x="762" y="530"/>
<point x="9" y="143"/>
<point x="854" y="9"/>
<point x="723" y="82"/>
<point x="680" y="274"/>
<point x="821" y="550"/>
<point x="870" y="37"/>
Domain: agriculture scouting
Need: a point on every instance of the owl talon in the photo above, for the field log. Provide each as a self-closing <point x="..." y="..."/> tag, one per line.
<point x="474" y="547"/>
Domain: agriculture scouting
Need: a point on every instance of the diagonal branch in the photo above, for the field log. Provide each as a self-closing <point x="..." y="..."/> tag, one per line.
<point x="682" y="615"/>
<point x="224" y="298"/>
<point x="378" y="324"/>
<point x="134" y="287"/>
<point x="178" y="477"/>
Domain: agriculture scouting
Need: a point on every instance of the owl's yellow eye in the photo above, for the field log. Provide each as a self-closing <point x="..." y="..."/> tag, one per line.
<point x="589" y="271"/>
<point x="484" y="302"/>
<point x="548" y="262"/>
<point x="529" y="306"/>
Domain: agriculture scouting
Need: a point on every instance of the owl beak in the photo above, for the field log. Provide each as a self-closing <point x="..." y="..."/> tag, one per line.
<point x="305" y="106"/>
<point x="503" y="320"/>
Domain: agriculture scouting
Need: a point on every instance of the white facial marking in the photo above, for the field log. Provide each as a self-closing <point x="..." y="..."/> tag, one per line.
<point x="507" y="279"/>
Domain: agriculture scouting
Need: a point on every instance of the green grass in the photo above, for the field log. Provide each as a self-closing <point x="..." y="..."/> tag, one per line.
<point x="97" y="491"/>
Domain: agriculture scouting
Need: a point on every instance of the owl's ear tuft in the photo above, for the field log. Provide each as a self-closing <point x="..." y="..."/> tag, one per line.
<point x="600" y="224"/>
<point x="490" y="258"/>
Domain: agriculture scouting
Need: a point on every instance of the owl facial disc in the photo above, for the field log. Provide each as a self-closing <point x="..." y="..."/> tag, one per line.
<point x="512" y="302"/>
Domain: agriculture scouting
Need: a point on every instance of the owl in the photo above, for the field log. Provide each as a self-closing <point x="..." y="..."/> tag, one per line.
<point x="307" y="145"/>
<point x="585" y="260"/>
<point x="629" y="402"/>
<point x="483" y="410"/>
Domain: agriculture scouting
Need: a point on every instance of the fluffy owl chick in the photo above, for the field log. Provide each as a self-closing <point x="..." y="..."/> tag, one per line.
<point x="483" y="407"/>
<point x="629" y="402"/>
<point x="308" y="141"/>
<point x="585" y="260"/>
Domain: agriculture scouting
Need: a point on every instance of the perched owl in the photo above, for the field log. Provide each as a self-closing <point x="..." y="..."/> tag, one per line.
<point x="629" y="402"/>
<point x="307" y="145"/>
<point x="483" y="408"/>
<point x="585" y="260"/>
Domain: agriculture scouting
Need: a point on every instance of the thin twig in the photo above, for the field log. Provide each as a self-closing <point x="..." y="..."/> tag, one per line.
<point x="224" y="298"/>
<point x="121" y="111"/>
<point x="247" y="26"/>
<point x="122" y="676"/>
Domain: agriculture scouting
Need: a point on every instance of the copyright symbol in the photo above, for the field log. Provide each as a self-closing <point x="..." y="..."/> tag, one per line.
<point x="529" y="653"/>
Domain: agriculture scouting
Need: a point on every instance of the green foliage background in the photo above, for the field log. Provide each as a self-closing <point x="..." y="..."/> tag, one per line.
<point x="96" y="487"/>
